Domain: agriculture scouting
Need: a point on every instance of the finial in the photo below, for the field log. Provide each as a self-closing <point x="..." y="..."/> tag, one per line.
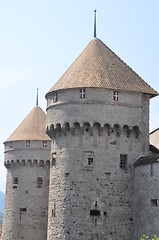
<point x="37" y="98"/>
<point x="95" y="35"/>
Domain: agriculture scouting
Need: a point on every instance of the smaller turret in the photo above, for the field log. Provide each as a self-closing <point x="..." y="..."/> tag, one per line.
<point x="27" y="153"/>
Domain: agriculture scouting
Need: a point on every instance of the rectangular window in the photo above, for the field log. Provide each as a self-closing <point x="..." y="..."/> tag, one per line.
<point x="123" y="161"/>
<point x="151" y="169"/>
<point x="55" y="97"/>
<point x="82" y="93"/>
<point x="39" y="182"/>
<point x="27" y="143"/>
<point x="154" y="202"/>
<point x="53" y="159"/>
<point x="22" y="211"/>
<point x="90" y="161"/>
<point x="15" y="182"/>
<point x="10" y="144"/>
<point x="44" y="144"/>
<point x="115" y="96"/>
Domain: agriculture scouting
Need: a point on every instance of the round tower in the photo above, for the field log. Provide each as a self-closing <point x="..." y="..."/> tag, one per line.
<point x="98" y="120"/>
<point x="27" y="154"/>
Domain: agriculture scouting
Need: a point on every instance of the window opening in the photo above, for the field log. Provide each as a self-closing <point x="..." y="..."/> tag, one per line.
<point x="94" y="212"/>
<point x="54" y="211"/>
<point x="55" y="97"/>
<point x="151" y="169"/>
<point x="44" y="144"/>
<point x="27" y="143"/>
<point x="154" y="202"/>
<point x="115" y="96"/>
<point x="90" y="161"/>
<point x="82" y="93"/>
<point x="53" y="159"/>
<point x="123" y="161"/>
<point x="10" y="144"/>
<point x="39" y="182"/>
<point x="15" y="182"/>
<point x="22" y="211"/>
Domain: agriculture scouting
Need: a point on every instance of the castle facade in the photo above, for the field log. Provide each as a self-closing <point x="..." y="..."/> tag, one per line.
<point x="85" y="170"/>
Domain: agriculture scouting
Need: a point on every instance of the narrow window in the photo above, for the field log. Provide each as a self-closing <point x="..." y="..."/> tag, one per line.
<point x="22" y="211"/>
<point x="115" y="96"/>
<point x="82" y="93"/>
<point x="151" y="169"/>
<point x="27" y="143"/>
<point x="55" y="97"/>
<point x="53" y="159"/>
<point x="44" y="144"/>
<point x="90" y="161"/>
<point x="154" y="202"/>
<point x="15" y="182"/>
<point x="54" y="211"/>
<point x="39" y="182"/>
<point x="123" y="161"/>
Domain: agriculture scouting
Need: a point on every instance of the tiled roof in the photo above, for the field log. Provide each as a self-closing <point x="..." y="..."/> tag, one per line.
<point x="98" y="67"/>
<point x="33" y="127"/>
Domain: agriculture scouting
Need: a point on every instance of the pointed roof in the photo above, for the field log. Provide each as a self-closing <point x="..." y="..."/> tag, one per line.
<point x="33" y="127"/>
<point x="98" y="67"/>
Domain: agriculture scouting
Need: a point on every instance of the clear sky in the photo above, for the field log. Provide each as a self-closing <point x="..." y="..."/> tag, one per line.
<point x="40" y="39"/>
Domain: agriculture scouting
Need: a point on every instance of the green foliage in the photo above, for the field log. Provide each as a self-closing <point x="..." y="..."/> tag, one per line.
<point x="145" y="237"/>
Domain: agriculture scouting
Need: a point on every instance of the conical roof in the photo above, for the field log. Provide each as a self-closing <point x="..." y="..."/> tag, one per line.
<point x="98" y="67"/>
<point x="33" y="127"/>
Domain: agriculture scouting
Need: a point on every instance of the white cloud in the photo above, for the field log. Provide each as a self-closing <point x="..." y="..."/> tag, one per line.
<point x="2" y="178"/>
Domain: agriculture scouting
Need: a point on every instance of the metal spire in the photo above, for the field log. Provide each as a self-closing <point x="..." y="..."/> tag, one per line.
<point x="37" y="98"/>
<point x="95" y="35"/>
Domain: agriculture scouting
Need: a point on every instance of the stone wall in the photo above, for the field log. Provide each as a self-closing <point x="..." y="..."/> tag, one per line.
<point x="27" y="188"/>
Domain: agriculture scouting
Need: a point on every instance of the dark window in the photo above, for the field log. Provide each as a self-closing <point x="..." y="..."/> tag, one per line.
<point x="123" y="161"/>
<point x="82" y="93"/>
<point x="27" y="143"/>
<point x="154" y="202"/>
<point x="54" y="211"/>
<point x="151" y="169"/>
<point x="10" y="144"/>
<point x="94" y="212"/>
<point x="39" y="182"/>
<point x="55" y="97"/>
<point x="44" y="144"/>
<point x="115" y="96"/>
<point x="53" y="159"/>
<point x="22" y="211"/>
<point x="90" y="161"/>
<point x="15" y="182"/>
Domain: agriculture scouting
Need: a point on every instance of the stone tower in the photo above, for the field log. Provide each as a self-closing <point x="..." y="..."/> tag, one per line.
<point x="98" y="120"/>
<point x="27" y="154"/>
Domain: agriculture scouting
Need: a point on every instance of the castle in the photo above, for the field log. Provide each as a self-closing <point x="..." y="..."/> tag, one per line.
<point x="85" y="170"/>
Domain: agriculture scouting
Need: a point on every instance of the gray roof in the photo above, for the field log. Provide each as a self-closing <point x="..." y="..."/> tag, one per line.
<point x="98" y="67"/>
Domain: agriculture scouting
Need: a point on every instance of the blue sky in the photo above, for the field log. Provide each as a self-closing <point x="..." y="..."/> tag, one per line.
<point x="40" y="39"/>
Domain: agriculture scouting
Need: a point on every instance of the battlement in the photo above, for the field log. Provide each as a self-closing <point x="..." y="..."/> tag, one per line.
<point x="93" y="129"/>
<point x="29" y="162"/>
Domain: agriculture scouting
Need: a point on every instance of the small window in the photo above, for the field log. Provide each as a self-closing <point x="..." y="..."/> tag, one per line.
<point x="123" y="161"/>
<point x="55" y="97"/>
<point x="53" y="159"/>
<point x="95" y="212"/>
<point x="44" y="144"/>
<point x="22" y="211"/>
<point x="151" y="169"/>
<point x="82" y="93"/>
<point x="90" y="161"/>
<point x="115" y="96"/>
<point x="54" y="210"/>
<point x="39" y="182"/>
<point x="154" y="202"/>
<point x="15" y="182"/>
<point x="27" y="143"/>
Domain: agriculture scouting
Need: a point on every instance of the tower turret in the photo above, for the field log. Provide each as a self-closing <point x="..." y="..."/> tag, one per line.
<point x="27" y="154"/>
<point x="98" y="120"/>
